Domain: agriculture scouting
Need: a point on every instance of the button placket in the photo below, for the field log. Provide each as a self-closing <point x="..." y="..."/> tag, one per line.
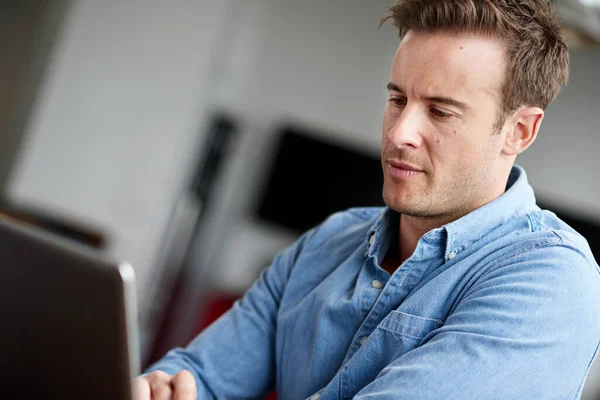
<point x="378" y="311"/>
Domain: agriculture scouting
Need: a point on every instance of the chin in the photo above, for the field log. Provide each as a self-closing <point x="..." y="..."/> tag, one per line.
<point x="398" y="203"/>
<point x="407" y="204"/>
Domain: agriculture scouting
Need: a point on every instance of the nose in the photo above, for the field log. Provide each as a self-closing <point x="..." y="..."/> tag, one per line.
<point x="406" y="129"/>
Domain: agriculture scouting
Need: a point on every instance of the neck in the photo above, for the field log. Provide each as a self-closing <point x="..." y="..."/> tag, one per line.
<point x="411" y="230"/>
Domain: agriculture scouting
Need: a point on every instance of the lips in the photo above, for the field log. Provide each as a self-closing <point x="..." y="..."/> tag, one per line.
<point x="401" y="170"/>
<point x="404" y="165"/>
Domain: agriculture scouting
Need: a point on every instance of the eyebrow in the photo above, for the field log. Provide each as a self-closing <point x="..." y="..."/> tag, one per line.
<point x="436" y="99"/>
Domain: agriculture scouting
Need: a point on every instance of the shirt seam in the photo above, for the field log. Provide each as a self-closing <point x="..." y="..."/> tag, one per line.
<point x="407" y="335"/>
<point x="419" y="317"/>
<point x="522" y="250"/>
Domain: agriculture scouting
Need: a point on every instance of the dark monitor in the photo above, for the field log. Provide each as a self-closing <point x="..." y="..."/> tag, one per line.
<point x="311" y="178"/>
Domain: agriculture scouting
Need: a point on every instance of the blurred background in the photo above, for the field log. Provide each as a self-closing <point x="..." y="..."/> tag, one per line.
<point x="197" y="138"/>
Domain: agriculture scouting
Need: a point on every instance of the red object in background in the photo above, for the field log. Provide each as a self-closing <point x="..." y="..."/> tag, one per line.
<point x="216" y="305"/>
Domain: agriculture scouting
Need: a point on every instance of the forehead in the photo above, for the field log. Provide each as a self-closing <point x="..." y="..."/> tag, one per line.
<point x="466" y="66"/>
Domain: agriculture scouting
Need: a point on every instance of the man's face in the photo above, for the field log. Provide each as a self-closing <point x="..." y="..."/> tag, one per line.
<point x="440" y="153"/>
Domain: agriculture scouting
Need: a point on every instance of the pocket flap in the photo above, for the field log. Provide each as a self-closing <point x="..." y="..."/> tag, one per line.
<point x="409" y="325"/>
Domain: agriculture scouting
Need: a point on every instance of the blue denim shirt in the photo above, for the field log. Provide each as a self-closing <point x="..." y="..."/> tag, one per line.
<point x="500" y="304"/>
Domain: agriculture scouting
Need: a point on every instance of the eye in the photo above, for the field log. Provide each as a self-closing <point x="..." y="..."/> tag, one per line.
<point x="398" y="101"/>
<point x="439" y="113"/>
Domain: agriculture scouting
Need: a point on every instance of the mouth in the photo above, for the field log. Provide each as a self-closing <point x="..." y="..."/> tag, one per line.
<point x="402" y="171"/>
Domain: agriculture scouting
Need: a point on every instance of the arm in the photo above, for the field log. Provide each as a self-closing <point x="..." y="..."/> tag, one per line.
<point x="234" y="357"/>
<point x="526" y="330"/>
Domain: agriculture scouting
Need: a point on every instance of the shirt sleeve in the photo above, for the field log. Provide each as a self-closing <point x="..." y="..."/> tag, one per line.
<point x="528" y="329"/>
<point x="234" y="357"/>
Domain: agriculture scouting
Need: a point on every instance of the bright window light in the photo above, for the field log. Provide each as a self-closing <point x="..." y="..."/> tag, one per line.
<point x="595" y="3"/>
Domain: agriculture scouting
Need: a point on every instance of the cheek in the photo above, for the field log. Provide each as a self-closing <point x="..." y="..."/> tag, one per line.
<point x="384" y="138"/>
<point x="442" y="140"/>
<point x="388" y="124"/>
<point x="447" y="150"/>
<point x="387" y="121"/>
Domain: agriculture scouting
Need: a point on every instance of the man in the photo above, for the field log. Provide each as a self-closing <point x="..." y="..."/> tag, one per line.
<point x="461" y="288"/>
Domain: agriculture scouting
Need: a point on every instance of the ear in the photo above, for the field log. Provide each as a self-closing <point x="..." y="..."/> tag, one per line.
<point x="522" y="129"/>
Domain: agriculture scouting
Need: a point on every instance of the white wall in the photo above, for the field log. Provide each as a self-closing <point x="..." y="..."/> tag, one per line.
<point x="118" y="119"/>
<point x="563" y="163"/>
<point x="323" y="63"/>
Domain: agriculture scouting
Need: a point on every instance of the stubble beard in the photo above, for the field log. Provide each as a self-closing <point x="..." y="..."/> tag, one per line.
<point x="427" y="204"/>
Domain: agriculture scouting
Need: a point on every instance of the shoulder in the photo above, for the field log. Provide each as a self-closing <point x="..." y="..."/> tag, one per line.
<point x="551" y="259"/>
<point x="535" y="237"/>
<point x="553" y="234"/>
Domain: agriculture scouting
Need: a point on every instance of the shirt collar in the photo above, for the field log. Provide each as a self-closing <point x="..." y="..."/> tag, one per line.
<point x="518" y="199"/>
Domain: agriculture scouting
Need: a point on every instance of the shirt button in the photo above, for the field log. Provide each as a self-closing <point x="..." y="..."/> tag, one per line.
<point x="371" y="239"/>
<point x="451" y="255"/>
<point x="315" y="396"/>
<point x="363" y="340"/>
<point x="377" y="284"/>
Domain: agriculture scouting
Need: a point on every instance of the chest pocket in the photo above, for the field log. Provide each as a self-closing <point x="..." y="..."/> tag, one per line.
<point x="408" y="326"/>
<point x="396" y="335"/>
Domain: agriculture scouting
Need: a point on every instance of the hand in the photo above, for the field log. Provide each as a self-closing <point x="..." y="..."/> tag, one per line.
<point x="160" y="386"/>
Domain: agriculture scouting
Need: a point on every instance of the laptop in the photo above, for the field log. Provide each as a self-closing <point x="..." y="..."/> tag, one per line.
<point x="68" y="321"/>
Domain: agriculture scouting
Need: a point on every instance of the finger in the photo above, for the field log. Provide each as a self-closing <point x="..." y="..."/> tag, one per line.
<point x="160" y="385"/>
<point x="157" y="377"/>
<point x="184" y="386"/>
<point x="162" y="392"/>
<point x="141" y="389"/>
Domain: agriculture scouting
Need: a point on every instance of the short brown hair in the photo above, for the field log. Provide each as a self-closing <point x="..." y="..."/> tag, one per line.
<point x="536" y="55"/>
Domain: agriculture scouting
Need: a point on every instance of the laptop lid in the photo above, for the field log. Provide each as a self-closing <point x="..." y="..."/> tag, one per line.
<point x="68" y="321"/>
